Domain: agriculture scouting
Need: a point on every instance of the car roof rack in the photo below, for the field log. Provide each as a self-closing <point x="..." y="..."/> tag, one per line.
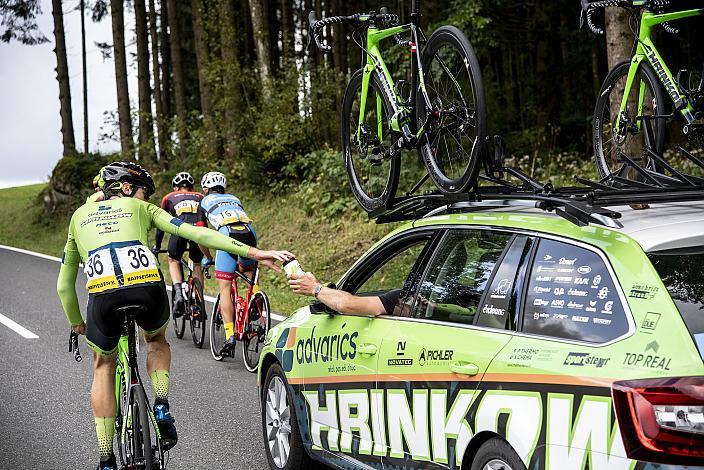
<point x="580" y="205"/>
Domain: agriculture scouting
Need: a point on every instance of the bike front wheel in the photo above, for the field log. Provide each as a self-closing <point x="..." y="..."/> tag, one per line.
<point x="613" y="141"/>
<point x="217" y="331"/>
<point x="258" y="325"/>
<point x="197" y="313"/>
<point x="454" y="122"/>
<point x="366" y="141"/>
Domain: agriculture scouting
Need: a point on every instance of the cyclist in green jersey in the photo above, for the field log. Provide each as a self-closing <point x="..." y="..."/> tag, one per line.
<point x="110" y="237"/>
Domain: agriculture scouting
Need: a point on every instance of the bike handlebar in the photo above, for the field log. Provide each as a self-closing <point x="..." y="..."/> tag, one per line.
<point x="316" y="26"/>
<point x="588" y="8"/>
<point x="73" y="346"/>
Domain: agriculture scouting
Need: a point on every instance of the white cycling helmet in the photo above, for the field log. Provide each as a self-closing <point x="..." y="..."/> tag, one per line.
<point x="212" y="179"/>
<point x="181" y="178"/>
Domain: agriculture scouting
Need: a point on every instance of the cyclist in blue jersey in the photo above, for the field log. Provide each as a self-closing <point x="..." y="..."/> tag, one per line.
<point x="226" y="214"/>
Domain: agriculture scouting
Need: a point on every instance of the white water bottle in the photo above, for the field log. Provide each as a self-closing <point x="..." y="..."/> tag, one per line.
<point x="292" y="266"/>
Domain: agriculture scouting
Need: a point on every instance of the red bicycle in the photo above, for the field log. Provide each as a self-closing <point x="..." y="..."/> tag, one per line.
<point x="252" y="321"/>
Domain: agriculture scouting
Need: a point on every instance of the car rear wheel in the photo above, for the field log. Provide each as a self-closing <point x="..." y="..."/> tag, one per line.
<point x="496" y="454"/>
<point x="282" y="438"/>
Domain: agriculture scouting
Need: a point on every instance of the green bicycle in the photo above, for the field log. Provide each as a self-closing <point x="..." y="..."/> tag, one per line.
<point x="139" y="441"/>
<point x="631" y="111"/>
<point x="442" y="115"/>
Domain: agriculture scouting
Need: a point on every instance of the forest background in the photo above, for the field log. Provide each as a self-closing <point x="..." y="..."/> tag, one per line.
<point x="231" y="85"/>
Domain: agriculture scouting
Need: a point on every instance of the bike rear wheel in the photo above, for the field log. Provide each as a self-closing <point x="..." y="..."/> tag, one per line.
<point x="258" y="325"/>
<point x="217" y="331"/>
<point x="197" y="313"/>
<point x="371" y="172"/>
<point x="455" y="124"/>
<point x="140" y="445"/>
<point x="609" y="144"/>
<point x="179" y="322"/>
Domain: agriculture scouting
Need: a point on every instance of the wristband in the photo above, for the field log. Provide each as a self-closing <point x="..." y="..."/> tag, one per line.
<point x="317" y="290"/>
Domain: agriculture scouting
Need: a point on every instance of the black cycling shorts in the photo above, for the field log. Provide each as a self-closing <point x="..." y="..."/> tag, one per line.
<point x="177" y="246"/>
<point x="104" y="327"/>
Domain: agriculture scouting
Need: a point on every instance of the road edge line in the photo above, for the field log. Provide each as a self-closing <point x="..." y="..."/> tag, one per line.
<point x="209" y="298"/>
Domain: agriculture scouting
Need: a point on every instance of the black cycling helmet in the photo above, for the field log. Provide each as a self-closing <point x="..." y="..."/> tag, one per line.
<point x="118" y="172"/>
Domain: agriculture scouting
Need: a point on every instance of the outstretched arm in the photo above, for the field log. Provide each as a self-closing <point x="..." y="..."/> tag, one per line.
<point x="338" y="300"/>
<point x="214" y="240"/>
<point x="66" y="283"/>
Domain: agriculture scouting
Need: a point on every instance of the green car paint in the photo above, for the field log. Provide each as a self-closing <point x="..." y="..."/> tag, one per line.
<point x="389" y="391"/>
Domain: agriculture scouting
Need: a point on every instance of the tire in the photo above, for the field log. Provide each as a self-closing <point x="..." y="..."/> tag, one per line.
<point x="373" y="181"/>
<point x="141" y="438"/>
<point x="217" y="331"/>
<point x="606" y="145"/>
<point x="180" y="322"/>
<point x="452" y="163"/>
<point x="198" y="321"/>
<point x="258" y="325"/>
<point x="120" y="418"/>
<point x="297" y="458"/>
<point x="496" y="454"/>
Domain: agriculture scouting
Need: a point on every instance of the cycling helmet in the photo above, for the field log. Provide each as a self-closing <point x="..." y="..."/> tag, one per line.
<point x="183" y="178"/>
<point x="119" y="172"/>
<point x="212" y="179"/>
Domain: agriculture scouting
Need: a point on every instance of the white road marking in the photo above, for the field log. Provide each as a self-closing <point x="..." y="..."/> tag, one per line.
<point x="17" y="328"/>
<point x="54" y="258"/>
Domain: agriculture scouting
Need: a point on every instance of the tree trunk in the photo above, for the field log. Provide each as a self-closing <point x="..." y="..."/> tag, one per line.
<point x="287" y="32"/>
<point x="177" y="66"/>
<point x="160" y="122"/>
<point x="164" y="41"/>
<point x="274" y="28"/>
<point x="123" y="96"/>
<point x="146" y="127"/>
<point x="203" y="61"/>
<point x="69" y="142"/>
<point x="85" y="76"/>
<point x="232" y="93"/>
<point x="260" y="27"/>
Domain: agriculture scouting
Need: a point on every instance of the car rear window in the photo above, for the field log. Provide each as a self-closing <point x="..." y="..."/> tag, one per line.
<point x="682" y="272"/>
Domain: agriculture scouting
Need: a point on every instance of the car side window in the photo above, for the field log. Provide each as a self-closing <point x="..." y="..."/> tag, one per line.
<point x="458" y="275"/>
<point x="570" y="294"/>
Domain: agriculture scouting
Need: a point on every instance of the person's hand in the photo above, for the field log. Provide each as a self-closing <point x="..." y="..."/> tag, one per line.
<point x="303" y="284"/>
<point x="269" y="258"/>
<point x="79" y="329"/>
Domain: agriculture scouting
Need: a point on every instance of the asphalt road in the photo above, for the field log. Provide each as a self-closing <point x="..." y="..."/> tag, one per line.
<point x="45" y="414"/>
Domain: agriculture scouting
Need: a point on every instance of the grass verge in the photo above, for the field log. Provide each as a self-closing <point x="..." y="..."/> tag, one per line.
<point x="325" y="246"/>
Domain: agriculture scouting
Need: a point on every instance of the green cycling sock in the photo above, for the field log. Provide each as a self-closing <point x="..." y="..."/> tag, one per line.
<point x="160" y="384"/>
<point x="105" y="430"/>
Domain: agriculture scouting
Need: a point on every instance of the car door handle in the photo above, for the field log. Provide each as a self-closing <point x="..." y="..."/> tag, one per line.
<point x="367" y="349"/>
<point x="464" y="368"/>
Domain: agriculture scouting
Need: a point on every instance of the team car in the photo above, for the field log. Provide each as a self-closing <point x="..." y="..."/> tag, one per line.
<point x="520" y="340"/>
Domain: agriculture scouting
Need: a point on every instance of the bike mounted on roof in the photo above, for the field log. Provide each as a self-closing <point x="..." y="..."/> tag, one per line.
<point x="642" y="91"/>
<point x="443" y="116"/>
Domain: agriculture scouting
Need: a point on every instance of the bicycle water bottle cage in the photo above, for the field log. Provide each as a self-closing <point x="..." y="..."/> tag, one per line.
<point x="692" y="84"/>
<point x="403" y="88"/>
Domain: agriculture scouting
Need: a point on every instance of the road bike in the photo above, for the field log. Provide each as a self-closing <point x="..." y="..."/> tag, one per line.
<point x="442" y="114"/>
<point x="193" y="306"/>
<point x="252" y="321"/>
<point x="640" y="92"/>
<point x="138" y="438"/>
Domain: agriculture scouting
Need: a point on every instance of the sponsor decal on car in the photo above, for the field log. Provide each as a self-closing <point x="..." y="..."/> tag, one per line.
<point x="434" y="356"/>
<point x="643" y="291"/>
<point x="326" y="348"/>
<point x="650" y="323"/>
<point x="585" y="359"/>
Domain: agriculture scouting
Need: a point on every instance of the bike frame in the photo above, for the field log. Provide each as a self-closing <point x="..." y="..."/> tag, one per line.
<point x="127" y="370"/>
<point x="375" y="62"/>
<point x="646" y="51"/>
<point x="240" y="316"/>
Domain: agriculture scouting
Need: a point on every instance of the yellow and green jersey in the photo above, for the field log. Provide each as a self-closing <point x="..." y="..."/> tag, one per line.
<point x="110" y="238"/>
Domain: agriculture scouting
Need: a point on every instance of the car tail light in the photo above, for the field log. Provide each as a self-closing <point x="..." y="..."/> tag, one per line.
<point x="662" y="420"/>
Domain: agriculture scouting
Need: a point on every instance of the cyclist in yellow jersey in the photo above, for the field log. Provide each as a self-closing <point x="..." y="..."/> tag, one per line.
<point x="110" y="237"/>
